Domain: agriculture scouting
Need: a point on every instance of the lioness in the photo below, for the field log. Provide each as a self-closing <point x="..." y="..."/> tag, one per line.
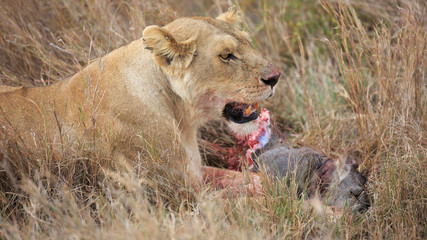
<point x="154" y="92"/>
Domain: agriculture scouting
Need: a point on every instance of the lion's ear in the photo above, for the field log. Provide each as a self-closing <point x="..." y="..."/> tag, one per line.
<point x="167" y="50"/>
<point x="231" y="16"/>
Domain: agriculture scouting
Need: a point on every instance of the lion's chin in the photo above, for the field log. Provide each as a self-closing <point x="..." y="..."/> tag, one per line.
<point x="255" y="129"/>
<point x="240" y="130"/>
<point x="240" y="113"/>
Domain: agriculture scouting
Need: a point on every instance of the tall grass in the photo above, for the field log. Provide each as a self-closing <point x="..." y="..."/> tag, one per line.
<point x="354" y="82"/>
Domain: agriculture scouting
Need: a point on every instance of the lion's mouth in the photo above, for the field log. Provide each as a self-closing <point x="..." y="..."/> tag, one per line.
<point x="241" y="112"/>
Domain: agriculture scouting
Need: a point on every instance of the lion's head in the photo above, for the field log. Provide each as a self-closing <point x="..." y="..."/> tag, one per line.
<point x="213" y="66"/>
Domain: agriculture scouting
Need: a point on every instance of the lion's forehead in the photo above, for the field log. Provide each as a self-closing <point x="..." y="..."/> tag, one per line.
<point x="189" y="27"/>
<point x="225" y="28"/>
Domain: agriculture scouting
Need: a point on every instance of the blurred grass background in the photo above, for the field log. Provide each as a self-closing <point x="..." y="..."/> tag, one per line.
<point x="353" y="82"/>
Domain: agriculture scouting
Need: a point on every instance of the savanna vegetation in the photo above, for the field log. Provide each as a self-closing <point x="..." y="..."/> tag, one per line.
<point x="353" y="83"/>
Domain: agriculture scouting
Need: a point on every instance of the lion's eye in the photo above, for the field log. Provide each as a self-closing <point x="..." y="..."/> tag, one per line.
<point x="227" y="57"/>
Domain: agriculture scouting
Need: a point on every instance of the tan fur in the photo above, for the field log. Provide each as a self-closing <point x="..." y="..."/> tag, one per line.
<point x="156" y="91"/>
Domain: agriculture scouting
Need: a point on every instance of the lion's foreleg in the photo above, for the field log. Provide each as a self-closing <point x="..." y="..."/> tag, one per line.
<point x="234" y="182"/>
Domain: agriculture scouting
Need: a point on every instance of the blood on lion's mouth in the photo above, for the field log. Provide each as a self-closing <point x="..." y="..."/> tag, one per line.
<point x="241" y="112"/>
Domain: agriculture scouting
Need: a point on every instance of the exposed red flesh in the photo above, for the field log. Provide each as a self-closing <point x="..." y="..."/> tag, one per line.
<point x="249" y="144"/>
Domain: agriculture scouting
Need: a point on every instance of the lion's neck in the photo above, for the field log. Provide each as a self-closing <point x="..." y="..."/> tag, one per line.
<point x="158" y="92"/>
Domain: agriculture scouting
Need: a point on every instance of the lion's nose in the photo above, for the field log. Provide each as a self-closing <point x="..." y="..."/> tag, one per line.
<point x="272" y="78"/>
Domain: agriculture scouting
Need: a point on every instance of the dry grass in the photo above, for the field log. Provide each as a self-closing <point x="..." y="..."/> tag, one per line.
<point x="354" y="82"/>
